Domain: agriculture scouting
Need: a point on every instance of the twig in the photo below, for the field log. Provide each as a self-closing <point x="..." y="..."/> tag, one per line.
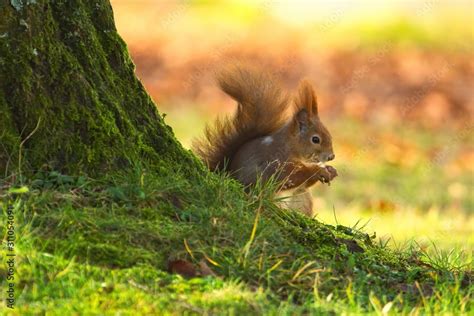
<point x="23" y="142"/>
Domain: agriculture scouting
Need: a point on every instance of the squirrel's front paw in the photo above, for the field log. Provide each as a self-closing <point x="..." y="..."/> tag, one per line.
<point x="332" y="171"/>
<point x="326" y="174"/>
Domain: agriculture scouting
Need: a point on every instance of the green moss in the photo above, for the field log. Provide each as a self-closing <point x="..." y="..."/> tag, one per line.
<point x="9" y="140"/>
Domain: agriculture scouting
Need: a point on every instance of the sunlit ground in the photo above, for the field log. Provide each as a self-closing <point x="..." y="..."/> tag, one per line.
<point x="394" y="81"/>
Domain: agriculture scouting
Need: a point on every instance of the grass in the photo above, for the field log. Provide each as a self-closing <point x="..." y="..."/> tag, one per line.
<point x="86" y="246"/>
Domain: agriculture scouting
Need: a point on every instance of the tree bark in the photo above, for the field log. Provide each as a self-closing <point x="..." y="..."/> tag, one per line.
<point x="69" y="96"/>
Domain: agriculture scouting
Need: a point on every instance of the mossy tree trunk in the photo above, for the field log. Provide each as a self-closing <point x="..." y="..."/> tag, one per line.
<point x="69" y="97"/>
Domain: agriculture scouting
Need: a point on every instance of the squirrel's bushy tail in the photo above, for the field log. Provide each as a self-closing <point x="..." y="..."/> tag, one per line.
<point x="261" y="111"/>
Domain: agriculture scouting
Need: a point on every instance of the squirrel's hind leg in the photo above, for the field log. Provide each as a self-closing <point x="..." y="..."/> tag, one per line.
<point x="300" y="199"/>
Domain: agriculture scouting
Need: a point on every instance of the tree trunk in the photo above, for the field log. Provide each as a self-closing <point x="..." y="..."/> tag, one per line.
<point x="69" y="97"/>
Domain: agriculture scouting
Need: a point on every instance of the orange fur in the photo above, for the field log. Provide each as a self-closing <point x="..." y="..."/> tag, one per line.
<point x="306" y="98"/>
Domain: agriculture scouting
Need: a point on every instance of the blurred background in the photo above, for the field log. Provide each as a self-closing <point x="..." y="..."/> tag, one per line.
<point x="395" y="87"/>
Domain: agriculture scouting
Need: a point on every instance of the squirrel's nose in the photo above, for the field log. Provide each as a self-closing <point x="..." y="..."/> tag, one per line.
<point x="331" y="157"/>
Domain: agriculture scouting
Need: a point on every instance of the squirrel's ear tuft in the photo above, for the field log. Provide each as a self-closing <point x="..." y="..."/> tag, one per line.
<point x="306" y="98"/>
<point x="301" y="121"/>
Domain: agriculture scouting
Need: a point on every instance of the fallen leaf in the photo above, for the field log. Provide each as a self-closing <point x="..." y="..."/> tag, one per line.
<point x="182" y="267"/>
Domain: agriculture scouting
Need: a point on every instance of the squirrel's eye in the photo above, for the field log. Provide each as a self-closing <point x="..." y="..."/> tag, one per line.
<point x="316" y="139"/>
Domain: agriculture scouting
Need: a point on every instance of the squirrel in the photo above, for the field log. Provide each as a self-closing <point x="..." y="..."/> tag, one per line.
<point x="261" y="140"/>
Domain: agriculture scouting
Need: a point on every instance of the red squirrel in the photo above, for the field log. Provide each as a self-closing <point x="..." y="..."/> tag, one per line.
<point x="260" y="140"/>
